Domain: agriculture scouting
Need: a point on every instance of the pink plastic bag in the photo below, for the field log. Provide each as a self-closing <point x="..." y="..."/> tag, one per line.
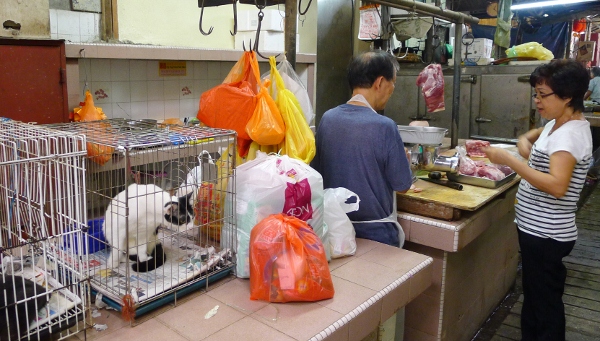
<point x="431" y="81"/>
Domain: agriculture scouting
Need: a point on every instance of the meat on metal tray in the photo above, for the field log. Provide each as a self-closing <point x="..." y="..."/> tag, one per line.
<point x="481" y="182"/>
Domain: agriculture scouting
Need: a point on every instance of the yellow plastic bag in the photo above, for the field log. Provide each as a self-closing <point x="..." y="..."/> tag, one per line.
<point x="299" y="141"/>
<point x="531" y="49"/>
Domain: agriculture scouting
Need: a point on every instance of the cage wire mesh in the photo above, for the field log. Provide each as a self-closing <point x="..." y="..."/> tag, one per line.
<point x="43" y="281"/>
<point x="157" y="197"/>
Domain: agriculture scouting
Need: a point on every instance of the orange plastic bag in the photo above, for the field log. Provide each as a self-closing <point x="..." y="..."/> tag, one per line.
<point x="287" y="262"/>
<point x="266" y="126"/>
<point x="231" y="104"/>
<point x="98" y="153"/>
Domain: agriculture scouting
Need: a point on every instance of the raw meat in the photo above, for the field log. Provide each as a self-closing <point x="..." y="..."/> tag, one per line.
<point x="505" y="169"/>
<point x="474" y="147"/>
<point x="431" y="81"/>
<point x="490" y="172"/>
<point x="467" y="166"/>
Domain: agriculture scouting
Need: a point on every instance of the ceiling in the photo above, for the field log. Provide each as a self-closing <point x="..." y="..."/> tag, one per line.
<point x="545" y="15"/>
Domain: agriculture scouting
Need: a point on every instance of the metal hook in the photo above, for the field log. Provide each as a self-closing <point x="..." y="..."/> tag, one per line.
<point x="234" y="18"/>
<point x="244" y="44"/>
<point x="256" y="41"/>
<point x="200" y="23"/>
<point x="305" y="10"/>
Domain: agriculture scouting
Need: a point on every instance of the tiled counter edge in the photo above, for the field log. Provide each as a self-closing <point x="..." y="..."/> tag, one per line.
<point x="379" y="295"/>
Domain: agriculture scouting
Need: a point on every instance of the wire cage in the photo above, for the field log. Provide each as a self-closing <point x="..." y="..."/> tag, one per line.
<point x="157" y="197"/>
<point x="43" y="281"/>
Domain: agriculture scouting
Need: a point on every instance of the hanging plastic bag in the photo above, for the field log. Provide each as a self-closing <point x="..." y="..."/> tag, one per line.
<point x="299" y="141"/>
<point x="266" y="125"/>
<point x="231" y="105"/>
<point x="293" y="83"/>
<point x="341" y="235"/>
<point x="288" y="262"/>
<point x="98" y="153"/>
<point x="268" y="185"/>
<point x="431" y="81"/>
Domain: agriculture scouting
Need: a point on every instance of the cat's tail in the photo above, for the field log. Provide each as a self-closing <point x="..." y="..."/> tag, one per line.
<point x="158" y="259"/>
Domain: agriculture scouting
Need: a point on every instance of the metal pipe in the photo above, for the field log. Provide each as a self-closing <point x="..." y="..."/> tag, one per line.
<point x="456" y="55"/>
<point x="429" y="10"/>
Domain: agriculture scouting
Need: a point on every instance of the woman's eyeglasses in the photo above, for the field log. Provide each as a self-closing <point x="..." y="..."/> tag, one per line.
<point x="541" y="96"/>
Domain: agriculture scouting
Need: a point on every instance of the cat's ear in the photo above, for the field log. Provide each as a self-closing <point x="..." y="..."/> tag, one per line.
<point x="186" y="199"/>
<point x="171" y="208"/>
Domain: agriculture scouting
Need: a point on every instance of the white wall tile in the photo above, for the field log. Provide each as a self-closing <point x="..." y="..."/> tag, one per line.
<point x="67" y="22"/>
<point x="186" y="89"/>
<point x="225" y="68"/>
<point x="156" y="90"/>
<point x="139" y="91"/>
<point x="86" y="24"/>
<point x="138" y="70"/>
<point x="139" y="110"/>
<point x="214" y="71"/>
<point x="101" y="92"/>
<point x="120" y="92"/>
<point x="119" y="70"/>
<point x="189" y="71"/>
<point x="156" y="110"/>
<point x="53" y="22"/>
<point x="188" y="107"/>
<point x="97" y="25"/>
<point x="152" y="70"/>
<point x="85" y="66"/>
<point x="121" y="110"/>
<point x="172" y="108"/>
<point x="172" y="89"/>
<point x="100" y="70"/>
<point x="200" y="70"/>
<point x="106" y="109"/>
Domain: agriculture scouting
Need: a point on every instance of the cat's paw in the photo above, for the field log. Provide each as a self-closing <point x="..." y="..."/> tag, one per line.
<point x="143" y="257"/>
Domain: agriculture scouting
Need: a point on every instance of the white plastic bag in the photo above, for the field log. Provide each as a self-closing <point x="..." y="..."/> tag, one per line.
<point x="273" y="184"/>
<point x="341" y="234"/>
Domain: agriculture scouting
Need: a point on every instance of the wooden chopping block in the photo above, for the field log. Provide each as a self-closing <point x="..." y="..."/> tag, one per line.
<point x="427" y="208"/>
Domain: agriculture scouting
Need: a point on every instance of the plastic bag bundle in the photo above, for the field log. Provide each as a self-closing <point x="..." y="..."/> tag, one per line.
<point x="341" y="237"/>
<point x="299" y="141"/>
<point x="272" y="184"/>
<point x="531" y="49"/>
<point x="431" y="81"/>
<point x="288" y="262"/>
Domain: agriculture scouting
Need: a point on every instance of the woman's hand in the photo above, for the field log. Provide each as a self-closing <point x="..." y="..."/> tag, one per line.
<point x="496" y="155"/>
<point x="524" y="147"/>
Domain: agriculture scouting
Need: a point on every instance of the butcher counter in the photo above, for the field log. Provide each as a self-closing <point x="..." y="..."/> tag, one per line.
<point x="474" y="251"/>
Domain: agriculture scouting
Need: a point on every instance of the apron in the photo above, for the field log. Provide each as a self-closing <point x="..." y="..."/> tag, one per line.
<point x="392" y="218"/>
<point x="361" y="99"/>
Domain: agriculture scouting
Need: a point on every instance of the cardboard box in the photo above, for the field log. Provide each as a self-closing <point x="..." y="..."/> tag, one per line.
<point x="481" y="48"/>
<point x="586" y="50"/>
<point x="272" y="21"/>
<point x="268" y="40"/>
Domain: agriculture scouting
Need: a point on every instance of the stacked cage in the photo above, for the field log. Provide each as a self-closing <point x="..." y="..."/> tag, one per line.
<point x="43" y="280"/>
<point x="157" y="198"/>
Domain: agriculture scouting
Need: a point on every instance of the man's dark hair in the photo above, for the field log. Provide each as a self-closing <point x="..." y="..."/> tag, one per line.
<point x="365" y="68"/>
<point x="567" y="79"/>
<point x="596" y="71"/>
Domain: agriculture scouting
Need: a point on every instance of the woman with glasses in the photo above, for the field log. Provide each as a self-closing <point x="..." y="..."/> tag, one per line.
<point x="558" y="157"/>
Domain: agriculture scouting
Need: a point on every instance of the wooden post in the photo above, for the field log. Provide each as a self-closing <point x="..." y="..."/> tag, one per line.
<point x="291" y="12"/>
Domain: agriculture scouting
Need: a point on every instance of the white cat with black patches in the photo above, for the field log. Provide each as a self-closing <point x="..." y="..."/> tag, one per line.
<point x="149" y="207"/>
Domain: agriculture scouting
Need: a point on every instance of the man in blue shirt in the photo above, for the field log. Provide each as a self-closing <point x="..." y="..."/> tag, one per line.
<point x="362" y="151"/>
<point x="593" y="93"/>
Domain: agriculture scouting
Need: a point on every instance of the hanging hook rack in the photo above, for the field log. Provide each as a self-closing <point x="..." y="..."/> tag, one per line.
<point x="261" y="15"/>
<point x="200" y="23"/>
<point x="234" y="18"/>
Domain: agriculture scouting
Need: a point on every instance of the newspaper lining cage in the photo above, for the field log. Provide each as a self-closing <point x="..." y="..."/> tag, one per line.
<point x="157" y="196"/>
<point x="43" y="288"/>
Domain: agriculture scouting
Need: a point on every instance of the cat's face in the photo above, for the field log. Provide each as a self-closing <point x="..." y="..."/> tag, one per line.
<point x="180" y="212"/>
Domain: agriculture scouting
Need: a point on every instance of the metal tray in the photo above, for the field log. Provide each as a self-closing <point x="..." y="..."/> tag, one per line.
<point x="481" y="182"/>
